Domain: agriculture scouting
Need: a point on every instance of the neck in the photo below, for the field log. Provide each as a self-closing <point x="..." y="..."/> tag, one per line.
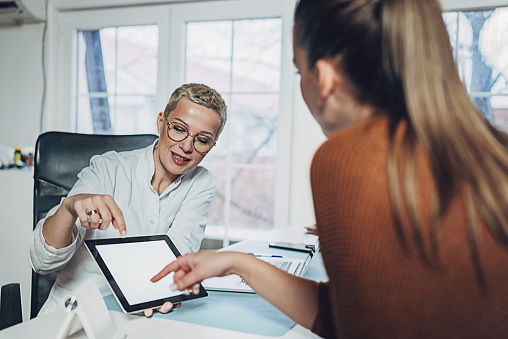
<point x="343" y="111"/>
<point x="161" y="178"/>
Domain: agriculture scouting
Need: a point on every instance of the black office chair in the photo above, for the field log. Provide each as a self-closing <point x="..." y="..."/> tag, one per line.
<point x="10" y="305"/>
<point x="59" y="157"/>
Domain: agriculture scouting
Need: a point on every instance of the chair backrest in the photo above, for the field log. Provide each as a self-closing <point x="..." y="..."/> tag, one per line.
<point x="59" y="157"/>
<point x="10" y="305"/>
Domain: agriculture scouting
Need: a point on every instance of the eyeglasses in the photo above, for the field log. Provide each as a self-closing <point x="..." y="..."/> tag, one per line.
<point x="202" y="143"/>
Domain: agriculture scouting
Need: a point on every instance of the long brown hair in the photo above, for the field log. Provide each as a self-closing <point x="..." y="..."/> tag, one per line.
<point x="397" y="54"/>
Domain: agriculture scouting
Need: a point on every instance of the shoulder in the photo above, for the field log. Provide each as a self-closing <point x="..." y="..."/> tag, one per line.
<point x="125" y="158"/>
<point x="353" y="147"/>
<point x="199" y="176"/>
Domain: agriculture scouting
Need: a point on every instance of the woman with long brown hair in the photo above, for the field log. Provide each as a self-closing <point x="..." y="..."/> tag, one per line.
<point x="410" y="190"/>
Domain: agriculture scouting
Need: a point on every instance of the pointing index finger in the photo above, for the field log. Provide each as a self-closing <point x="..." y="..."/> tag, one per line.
<point x="165" y="271"/>
<point x="118" y="220"/>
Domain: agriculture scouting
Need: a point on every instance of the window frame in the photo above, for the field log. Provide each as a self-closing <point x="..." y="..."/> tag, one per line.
<point x="467" y="5"/>
<point x="62" y="90"/>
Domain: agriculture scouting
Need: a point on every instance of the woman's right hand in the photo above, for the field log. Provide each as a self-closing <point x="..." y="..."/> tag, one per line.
<point x="96" y="211"/>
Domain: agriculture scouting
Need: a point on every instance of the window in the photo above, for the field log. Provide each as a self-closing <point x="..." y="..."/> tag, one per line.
<point x="243" y="50"/>
<point x="481" y="51"/>
<point x="109" y="70"/>
<point x="241" y="59"/>
<point x="116" y="80"/>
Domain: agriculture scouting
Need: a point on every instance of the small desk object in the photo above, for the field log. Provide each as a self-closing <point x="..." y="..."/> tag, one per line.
<point x="87" y="305"/>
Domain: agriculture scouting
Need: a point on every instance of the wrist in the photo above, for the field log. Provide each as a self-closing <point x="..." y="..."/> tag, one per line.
<point x="239" y="262"/>
<point x="67" y="207"/>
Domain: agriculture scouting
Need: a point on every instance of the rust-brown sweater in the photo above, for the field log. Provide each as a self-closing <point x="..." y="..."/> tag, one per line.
<point x="375" y="288"/>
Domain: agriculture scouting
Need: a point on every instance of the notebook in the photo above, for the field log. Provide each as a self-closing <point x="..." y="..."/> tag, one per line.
<point x="234" y="283"/>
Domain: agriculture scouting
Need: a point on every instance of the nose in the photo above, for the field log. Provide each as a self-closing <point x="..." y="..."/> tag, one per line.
<point x="187" y="144"/>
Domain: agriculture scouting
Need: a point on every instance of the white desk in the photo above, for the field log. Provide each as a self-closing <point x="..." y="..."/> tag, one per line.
<point x="47" y="326"/>
<point x="138" y="327"/>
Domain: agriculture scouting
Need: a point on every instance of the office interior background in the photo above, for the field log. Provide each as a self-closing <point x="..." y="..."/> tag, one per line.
<point x="109" y="66"/>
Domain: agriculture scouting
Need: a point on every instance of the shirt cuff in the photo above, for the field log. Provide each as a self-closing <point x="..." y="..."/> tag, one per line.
<point x="64" y="250"/>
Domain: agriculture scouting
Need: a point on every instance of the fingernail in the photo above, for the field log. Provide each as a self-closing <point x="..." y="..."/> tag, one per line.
<point x="187" y="292"/>
<point x="173" y="287"/>
<point x="167" y="307"/>
<point x="123" y="234"/>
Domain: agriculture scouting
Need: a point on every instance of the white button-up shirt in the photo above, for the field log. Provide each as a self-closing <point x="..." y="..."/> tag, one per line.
<point x="181" y="212"/>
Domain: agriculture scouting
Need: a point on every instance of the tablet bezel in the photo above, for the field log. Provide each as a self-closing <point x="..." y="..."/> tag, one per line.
<point x="117" y="292"/>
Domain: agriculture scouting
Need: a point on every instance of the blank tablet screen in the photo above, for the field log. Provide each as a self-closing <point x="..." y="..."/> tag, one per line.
<point x="129" y="263"/>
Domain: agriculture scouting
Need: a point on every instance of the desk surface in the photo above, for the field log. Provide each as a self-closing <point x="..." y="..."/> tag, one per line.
<point x="48" y="325"/>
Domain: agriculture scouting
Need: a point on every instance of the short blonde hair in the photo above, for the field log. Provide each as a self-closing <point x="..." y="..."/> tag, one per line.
<point x="202" y="95"/>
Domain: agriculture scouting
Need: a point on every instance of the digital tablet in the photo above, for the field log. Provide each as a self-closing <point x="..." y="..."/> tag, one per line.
<point x="128" y="265"/>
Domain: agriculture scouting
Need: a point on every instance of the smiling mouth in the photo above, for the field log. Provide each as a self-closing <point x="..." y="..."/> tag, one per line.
<point x="179" y="159"/>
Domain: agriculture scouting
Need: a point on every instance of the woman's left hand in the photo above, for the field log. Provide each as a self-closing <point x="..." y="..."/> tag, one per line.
<point x="168" y="306"/>
<point x="191" y="269"/>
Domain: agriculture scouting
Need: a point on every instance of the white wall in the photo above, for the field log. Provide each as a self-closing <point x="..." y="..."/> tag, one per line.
<point x="15" y="230"/>
<point x="20" y="84"/>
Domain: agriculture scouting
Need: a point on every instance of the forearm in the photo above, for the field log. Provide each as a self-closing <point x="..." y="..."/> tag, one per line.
<point x="186" y="237"/>
<point x="57" y="229"/>
<point x="296" y="297"/>
<point x="46" y="258"/>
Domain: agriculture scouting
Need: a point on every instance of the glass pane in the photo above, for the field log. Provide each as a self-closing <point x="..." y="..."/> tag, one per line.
<point x="93" y="71"/>
<point x="499" y="113"/>
<point x="476" y="74"/>
<point x="252" y="198"/>
<point x="221" y="150"/>
<point x="464" y="44"/>
<point x="241" y="56"/>
<point x="134" y="114"/>
<point x="493" y="47"/>
<point x="108" y="41"/>
<point x="117" y="70"/>
<point x="125" y="57"/>
<point x="254" y="127"/>
<point x="257" y="55"/>
<point x="83" y="115"/>
<point x="216" y="212"/>
<point x="93" y="114"/>
<point x="250" y="135"/>
<point x="81" y="85"/>
<point x="450" y="19"/>
<point x="208" y="54"/>
<point x="130" y="57"/>
<point x="129" y="114"/>
<point x="483" y="104"/>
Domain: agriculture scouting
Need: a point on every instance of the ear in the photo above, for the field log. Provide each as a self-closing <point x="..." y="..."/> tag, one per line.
<point x="160" y="123"/>
<point x="327" y="78"/>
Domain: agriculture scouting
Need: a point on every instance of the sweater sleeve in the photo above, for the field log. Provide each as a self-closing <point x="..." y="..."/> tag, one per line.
<point x="323" y="325"/>
<point x="338" y="185"/>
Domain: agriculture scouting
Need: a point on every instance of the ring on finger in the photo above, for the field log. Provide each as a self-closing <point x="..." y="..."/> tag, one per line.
<point x="89" y="215"/>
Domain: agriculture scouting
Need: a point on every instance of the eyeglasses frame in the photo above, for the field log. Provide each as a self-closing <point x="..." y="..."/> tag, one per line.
<point x="192" y="135"/>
